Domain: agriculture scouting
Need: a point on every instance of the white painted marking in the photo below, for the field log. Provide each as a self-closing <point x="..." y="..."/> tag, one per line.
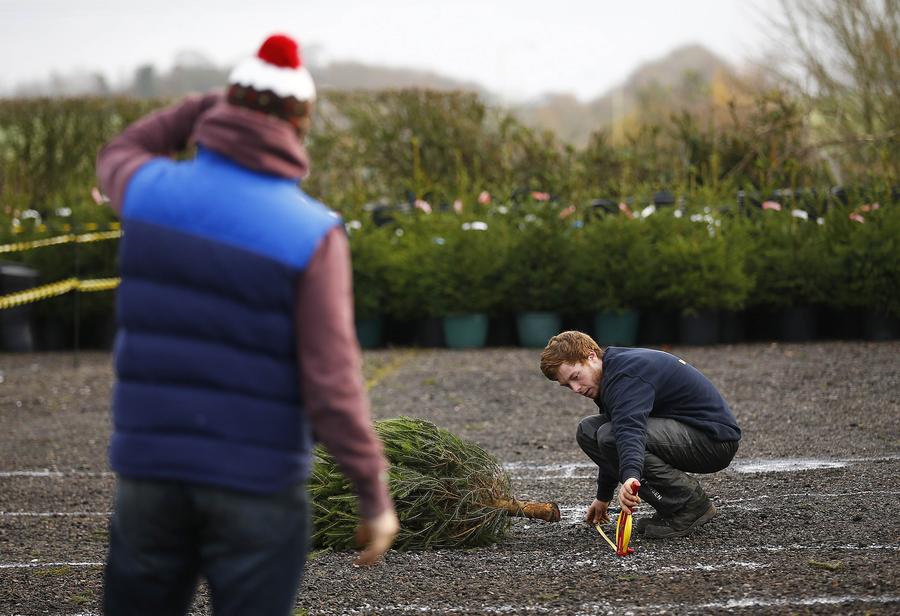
<point x="606" y="607"/>
<point x="40" y="565"/>
<point x="556" y="471"/>
<point x="540" y="471"/>
<point x="784" y="465"/>
<point x="54" y="514"/>
<point x="809" y="494"/>
<point x="56" y="474"/>
<point x="732" y="564"/>
<point x="821" y="546"/>
<point x="757" y="602"/>
<point x="575" y="470"/>
<point x="574" y="514"/>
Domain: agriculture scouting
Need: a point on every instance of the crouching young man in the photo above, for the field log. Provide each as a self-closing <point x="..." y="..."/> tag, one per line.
<point x="659" y="419"/>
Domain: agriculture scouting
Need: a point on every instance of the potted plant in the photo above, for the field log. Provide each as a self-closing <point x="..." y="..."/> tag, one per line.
<point x="786" y="258"/>
<point x="658" y="319"/>
<point x="471" y="261"/>
<point x="412" y="286"/>
<point x="867" y="266"/>
<point x="700" y="273"/>
<point x="369" y="250"/>
<point x="538" y="282"/>
<point x="606" y="283"/>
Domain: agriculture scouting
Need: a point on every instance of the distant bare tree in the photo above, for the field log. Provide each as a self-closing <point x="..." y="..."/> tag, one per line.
<point x="849" y="55"/>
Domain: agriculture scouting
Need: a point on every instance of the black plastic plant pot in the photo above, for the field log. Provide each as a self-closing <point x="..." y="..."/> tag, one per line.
<point x="430" y="332"/>
<point x="839" y="323"/>
<point x="699" y="328"/>
<point x="732" y="328"/>
<point x="656" y="328"/>
<point x="878" y="326"/>
<point x="762" y="323"/>
<point x="502" y="331"/>
<point x="663" y="198"/>
<point x="798" y="324"/>
<point x="15" y="323"/>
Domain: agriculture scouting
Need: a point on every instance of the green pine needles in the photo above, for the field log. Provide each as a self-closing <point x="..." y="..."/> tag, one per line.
<point x="449" y="493"/>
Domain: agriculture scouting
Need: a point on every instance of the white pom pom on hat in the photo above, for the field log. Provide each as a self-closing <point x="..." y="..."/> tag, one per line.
<point x="278" y="68"/>
<point x="275" y="83"/>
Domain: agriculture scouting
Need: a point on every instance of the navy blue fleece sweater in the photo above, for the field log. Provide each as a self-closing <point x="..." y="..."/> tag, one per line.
<point x="641" y="383"/>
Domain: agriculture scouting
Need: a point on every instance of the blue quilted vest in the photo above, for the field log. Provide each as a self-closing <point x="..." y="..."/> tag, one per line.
<point x="206" y="362"/>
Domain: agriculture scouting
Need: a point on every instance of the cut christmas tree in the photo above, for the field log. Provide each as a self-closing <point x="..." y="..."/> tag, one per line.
<point x="449" y="493"/>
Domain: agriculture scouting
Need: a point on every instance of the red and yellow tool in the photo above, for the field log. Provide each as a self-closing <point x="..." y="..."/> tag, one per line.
<point x="623" y="531"/>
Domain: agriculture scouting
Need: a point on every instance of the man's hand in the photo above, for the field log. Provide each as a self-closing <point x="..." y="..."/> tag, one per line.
<point x="596" y="513"/>
<point x="628" y="498"/>
<point x="377" y="535"/>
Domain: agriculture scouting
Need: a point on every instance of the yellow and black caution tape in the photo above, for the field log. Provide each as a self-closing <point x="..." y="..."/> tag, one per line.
<point x="98" y="284"/>
<point x="50" y="241"/>
<point x="68" y="238"/>
<point x="54" y="289"/>
<point x="97" y="236"/>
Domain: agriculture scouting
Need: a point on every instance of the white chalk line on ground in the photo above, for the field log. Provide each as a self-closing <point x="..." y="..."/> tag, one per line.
<point x="794" y="496"/>
<point x="618" y="607"/>
<point x="56" y="474"/>
<point x="55" y="514"/>
<point x="636" y="564"/>
<point x="574" y="514"/>
<point x="612" y="607"/>
<point x="34" y="565"/>
<point x="587" y="470"/>
<point x="732" y="564"/>
<point x="560" y="470"/>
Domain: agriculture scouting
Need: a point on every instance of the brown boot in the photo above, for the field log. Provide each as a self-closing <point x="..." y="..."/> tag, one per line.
<point x="641" y="524"/>
<point x="681" y="524"/>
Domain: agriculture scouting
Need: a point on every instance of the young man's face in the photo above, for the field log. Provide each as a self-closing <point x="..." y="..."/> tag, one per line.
<point x="582" y="378"/>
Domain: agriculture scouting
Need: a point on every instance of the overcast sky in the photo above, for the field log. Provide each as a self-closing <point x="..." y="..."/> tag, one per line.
<point x="517" y="48"/>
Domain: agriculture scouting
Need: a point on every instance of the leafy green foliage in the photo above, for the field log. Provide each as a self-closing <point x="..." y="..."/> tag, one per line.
<point x="443" y="489"/>
<point x="696" y="267"/>
<point x="609" y="253"/>
<point x="398" y="146"/>
<point x="370" y="249"/>
<point x="865" y="260"/>
<point x="786" y="260"/>
<point x="471" y="265"/>
<point x="542" y="268"/>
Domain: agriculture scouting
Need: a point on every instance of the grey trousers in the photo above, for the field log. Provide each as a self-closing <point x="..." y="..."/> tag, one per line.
<point x="673" y="450"/>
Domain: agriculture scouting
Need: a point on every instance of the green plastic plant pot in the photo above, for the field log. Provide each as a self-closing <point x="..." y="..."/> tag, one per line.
<point x="368" y="332"/>
<point x="536" y="328"/>
<point x="616" y="327"/>
<point x="465" y="331"/>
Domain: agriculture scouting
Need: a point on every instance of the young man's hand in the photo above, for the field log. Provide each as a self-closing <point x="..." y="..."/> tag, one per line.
<point x="628" y="497"/>
<point x="377" y="535"/>
<point x="596" y="513"/>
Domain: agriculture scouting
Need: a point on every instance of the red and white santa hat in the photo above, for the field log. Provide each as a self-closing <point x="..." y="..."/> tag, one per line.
<point x="274" y="81"/>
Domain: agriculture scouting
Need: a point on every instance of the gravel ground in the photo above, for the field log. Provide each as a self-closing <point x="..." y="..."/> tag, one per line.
<point x="808" y="511"/>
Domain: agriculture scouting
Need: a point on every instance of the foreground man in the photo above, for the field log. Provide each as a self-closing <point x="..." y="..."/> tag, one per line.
<point x="235" y="347"/>
<point x="659" y="418"/>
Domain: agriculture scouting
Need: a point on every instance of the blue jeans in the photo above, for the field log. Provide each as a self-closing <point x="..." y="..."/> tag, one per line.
<point x="164" y="535"/>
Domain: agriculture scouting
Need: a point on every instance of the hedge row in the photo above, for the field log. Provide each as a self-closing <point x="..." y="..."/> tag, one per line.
<point x="373" y="150"/>
<point x="686" y="260"/>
